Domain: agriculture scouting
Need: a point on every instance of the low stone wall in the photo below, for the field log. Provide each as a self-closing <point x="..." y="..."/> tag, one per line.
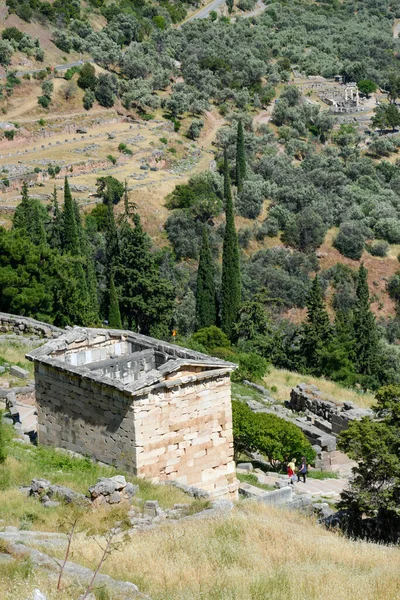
<point x="27" y="326"/>
<point x="330" y="417"/>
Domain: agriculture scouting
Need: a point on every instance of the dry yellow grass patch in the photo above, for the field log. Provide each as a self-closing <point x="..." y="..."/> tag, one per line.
<point x="256" y="553"/>
<point x="284" y="381"/>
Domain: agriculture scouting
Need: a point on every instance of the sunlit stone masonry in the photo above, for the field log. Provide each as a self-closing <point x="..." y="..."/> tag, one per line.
<point x="161" y="411"/>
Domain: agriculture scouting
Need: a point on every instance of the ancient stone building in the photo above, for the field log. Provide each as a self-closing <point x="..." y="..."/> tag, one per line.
<point x="156" y="409"/>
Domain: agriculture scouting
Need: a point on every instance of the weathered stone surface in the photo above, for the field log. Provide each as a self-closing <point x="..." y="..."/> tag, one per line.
<point x="141" y="404"/>
<point x="131" y="490"/>
<point x="19" y="372"/>
<point x="40" y="486"/>
<point x="244" y="466"/>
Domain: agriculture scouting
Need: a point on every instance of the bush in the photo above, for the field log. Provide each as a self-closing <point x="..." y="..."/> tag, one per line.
<point x="87" y="77"/>
<point x="350" y="240"/>
<point x="211" y="337"/>
<point x="88" y="99"/>
<point x="388" y="229"/>
<point x="244" y="236"/>
<point x="252" y="367"/>
<point x="250" y="199"/>
<point x="9" y="134"/>
<point x="378" y="249"/>
<point x="44" y="101"/>
<point x="278" y="440"/>
<point x="269" y="228"/>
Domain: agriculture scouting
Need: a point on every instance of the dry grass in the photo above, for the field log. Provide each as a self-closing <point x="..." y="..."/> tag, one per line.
<point x="284" y="381"/>
<point x="257" y="553"/>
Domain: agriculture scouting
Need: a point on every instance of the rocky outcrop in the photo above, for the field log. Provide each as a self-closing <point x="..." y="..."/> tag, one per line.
<point x="112" y="490"/>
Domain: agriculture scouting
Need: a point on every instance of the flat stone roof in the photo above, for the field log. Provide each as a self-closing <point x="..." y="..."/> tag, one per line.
<point x="127" y="361"/>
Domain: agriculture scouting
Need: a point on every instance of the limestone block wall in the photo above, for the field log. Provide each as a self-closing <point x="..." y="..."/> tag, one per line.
<point x="184" y="433"/>
<point x="175" y="431"/>
<point x="84" y="416"/>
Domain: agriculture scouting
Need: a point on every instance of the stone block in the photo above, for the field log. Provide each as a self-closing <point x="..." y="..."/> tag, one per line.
<point x="19" y="372"/>
<point x="245" y="466"/>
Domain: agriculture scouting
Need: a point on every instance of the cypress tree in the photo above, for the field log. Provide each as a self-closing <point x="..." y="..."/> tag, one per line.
<point x="22" y="212"/>
<point x="365" y="330"/>
<point x="114" y="315"/>
<point x="56" y="226"/>
<point x="240" y="157"/>
<point x="231" y="284"/>
<point x="317" y="330"/>
<point x="30" y="217"/>
<point x="70" y="241"/>
<point x="206" y="304"/>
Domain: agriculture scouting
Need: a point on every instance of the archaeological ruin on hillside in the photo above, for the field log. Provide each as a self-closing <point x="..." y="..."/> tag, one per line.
<point x="156" y="409"/>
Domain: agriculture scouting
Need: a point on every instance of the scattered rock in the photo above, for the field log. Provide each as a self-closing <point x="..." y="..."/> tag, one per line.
<point x="16" y="371"/>
<point x="245" y="466"/>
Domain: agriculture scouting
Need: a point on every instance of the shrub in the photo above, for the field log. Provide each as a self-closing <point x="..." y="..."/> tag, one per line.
<point x="164" y="140"/>
<point x="250" y="199"/>
<point x="111" y="158"/>
<point x="44" y="101"/>
<point x="278" y="440"/>
<point x="211" y="337"/>
<point x="378" y="249"/>
<point x="88" y="99"/>
<point x="252" y="367"/>
<point x="350" y="240"/>
<point x="244" y="236"/>
<point x="388" y="229"/>
<point x="195" y="129"/>
<point x="269" y="228"/>
<point x="9" y="134"/>
<point x="87" y="77"/>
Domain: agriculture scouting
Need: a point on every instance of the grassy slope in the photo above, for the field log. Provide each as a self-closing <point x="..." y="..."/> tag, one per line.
<point x="257" y="553"/>
<point x="284" y="381"/>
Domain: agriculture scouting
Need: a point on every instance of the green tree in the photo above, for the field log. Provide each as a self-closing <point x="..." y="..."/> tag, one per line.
<point x="87" y="77"/>
<point x="367" y="86"/>
<point x="392" y="116"/>
<point x="30" y="217"/>
<point x="206" y="299"/>
<point x="114" y="315"/>
<point x="231" y="280"/>
<point x="373" y="497"/>
<point x="365" y="329"/>
<point x="70" y="232"/>
<point x="278" y="440"/>
<point x="56" y="223"/>
<point x="240" y="157"/>
<point x="146" y="299"/>
<point x="317" y="329"/>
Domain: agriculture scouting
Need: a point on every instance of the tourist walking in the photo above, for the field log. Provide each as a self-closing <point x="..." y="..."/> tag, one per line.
<point x="291" y="471"/>
<point x="302" y="469"/>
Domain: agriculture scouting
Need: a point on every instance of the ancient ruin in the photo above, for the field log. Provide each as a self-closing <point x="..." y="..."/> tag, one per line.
<point x="156" y="409"/>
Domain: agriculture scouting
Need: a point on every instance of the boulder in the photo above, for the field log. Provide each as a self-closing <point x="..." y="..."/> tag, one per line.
<point x="39" y="486"/>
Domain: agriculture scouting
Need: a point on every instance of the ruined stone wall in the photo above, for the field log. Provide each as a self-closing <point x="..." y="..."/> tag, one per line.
<point x="25" y="325"/>
<point x="179" y="431"/>
<point x="184" y="433"/>
<point x="331" y="417"/>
